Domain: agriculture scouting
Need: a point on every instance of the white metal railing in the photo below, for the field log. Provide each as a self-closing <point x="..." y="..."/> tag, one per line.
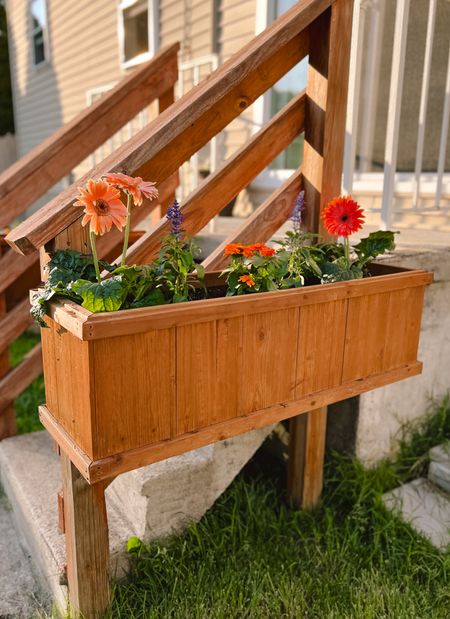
<point x="365" y="67"/>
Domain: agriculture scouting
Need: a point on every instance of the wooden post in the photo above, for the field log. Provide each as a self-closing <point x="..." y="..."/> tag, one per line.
<point x="85" y="517"/>
<point x="8" y="426"/>
<point x="326" y="102"/>
<point x="87" y="545"/>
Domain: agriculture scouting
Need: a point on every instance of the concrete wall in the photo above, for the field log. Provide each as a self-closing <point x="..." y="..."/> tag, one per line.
<point x="382" y="412"/>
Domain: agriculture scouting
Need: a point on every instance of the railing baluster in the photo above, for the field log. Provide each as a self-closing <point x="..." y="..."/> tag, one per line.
<point x="395" y="101"/>
<point x="353" y="96"/>
<point x="444" y="135"/>
<point x="424" y="102"/>
<point x="371" y="84"/>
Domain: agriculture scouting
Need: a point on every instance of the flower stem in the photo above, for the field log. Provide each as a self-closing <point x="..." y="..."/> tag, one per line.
<point x="347" y="250"/>
<point x="94" y="254"/>
<point x="127" y="232"/>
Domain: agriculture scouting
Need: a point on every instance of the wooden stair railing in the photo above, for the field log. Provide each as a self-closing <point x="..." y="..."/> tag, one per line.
<point x="319" y="29"/>
<point x="30" y="178"/>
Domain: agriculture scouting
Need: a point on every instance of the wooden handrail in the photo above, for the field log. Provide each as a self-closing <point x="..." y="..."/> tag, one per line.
<point x="20" y="377"/>
<point x="32" y="175"/>
<point x="232" y="176"/>
<point x="160" y="148"/>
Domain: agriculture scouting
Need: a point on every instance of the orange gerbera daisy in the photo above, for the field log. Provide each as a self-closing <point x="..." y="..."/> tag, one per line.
<point x="233" y="249"/>
<point x="247" y="279"/>
<point x="267" y="251"/>
<point x="248" y="251"/>
<point x="343" y="216"/>
<point x="134" y="185"/>
<point x="102" y="206"/>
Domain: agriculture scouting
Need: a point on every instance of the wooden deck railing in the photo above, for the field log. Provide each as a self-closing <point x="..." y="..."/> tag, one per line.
<point x="319" y="29"/>
<point x="33" y="175"/>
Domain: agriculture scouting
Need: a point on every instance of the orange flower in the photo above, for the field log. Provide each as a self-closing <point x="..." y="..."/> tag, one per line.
<point x="233" y="249"/>
<point x="102" y="206"/>
<point x="247" y="279"/>
<point x="257" y="246"/>
<point x="135" y="186"/>
<point x="248" y="251"/>
<point x="267" y="251"/>
<point x="343" y="216"/>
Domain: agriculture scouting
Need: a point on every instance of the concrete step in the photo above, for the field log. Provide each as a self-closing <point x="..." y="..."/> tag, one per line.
<point x="164" y="498"/>
<point x="20" y="591"/>
<point x="152" y="502"/>
<point x="425" y="507"/>
<point x="30" y="476"/>
<point x="439" y="469"/>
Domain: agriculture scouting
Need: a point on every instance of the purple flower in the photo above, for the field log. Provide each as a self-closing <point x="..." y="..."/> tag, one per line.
<point x="299" y="207"/>
<point x="175" y="217"/>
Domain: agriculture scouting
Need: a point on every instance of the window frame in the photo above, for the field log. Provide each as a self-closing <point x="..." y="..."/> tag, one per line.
<point x="268" y="179"/>
<point x="45" y="37"/>
<point x="153" y="32"/>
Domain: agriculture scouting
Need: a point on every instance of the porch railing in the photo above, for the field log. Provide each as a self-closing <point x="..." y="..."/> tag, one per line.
<point x="426" y="191"/>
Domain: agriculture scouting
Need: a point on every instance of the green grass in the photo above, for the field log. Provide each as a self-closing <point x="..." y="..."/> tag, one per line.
<point x="26" y="405"/>
<point x="253" y="557"/>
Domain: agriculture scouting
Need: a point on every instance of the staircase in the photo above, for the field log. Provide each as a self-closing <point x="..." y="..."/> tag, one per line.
<point x="425" y="502"/>
<point x="152" y="503"/>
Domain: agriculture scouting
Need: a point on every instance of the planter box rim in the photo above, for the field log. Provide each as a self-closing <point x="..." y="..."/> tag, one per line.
<point x="87" y="325"/>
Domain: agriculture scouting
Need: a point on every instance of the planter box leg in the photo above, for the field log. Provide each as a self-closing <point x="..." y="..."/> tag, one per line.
<point x="87" y="544"/>
<point x="306" y="455"/>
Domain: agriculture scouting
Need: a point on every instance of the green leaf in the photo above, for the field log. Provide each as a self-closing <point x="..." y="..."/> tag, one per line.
<point x="134" y="545"/>
<point x="376" y="244"/>
<point x="108" y="296"/>
<point x="340" y="271"/>
<point x="200" y="271"/>
<point x="155" y="297"/>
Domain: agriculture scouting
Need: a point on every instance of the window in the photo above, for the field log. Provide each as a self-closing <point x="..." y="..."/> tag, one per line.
<point x="283" y="91"/>
<point x="38" y="11"/>
<point x="138" y="21"/>
<point x="278" y="96"/>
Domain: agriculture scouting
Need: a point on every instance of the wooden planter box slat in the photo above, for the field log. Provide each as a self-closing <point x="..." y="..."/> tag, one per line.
<point x="142" y="384"/>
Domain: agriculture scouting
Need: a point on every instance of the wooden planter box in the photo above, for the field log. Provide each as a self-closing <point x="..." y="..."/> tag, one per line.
<point x="129" y="388"/>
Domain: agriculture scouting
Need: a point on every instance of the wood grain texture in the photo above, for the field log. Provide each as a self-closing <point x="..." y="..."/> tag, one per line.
<point x="280" y="347"/>
<point x="196" y="375"/>
<point x="389" y="325"/>
<point x="95" y="471"/>
<point x="262" y="223"/>
<point x="130" y="371"/>
<point x="14" y="323"/>
<point x="326" y="109"/>
<point x="161" y="147"/>
<point x="320" y="346"/>
<point x="229" y="179"/>
<point x="87" y="543"/>
<point x="306" y="456"/>
<point x="13" y="267"/>
<point x="268" y="359"/>
<point x="32" y="175"/>
<point x="97" y="326"/>
<point x="326" y="102"/>
<point x="8" y="426"/>
<point x="68" y="372"/>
